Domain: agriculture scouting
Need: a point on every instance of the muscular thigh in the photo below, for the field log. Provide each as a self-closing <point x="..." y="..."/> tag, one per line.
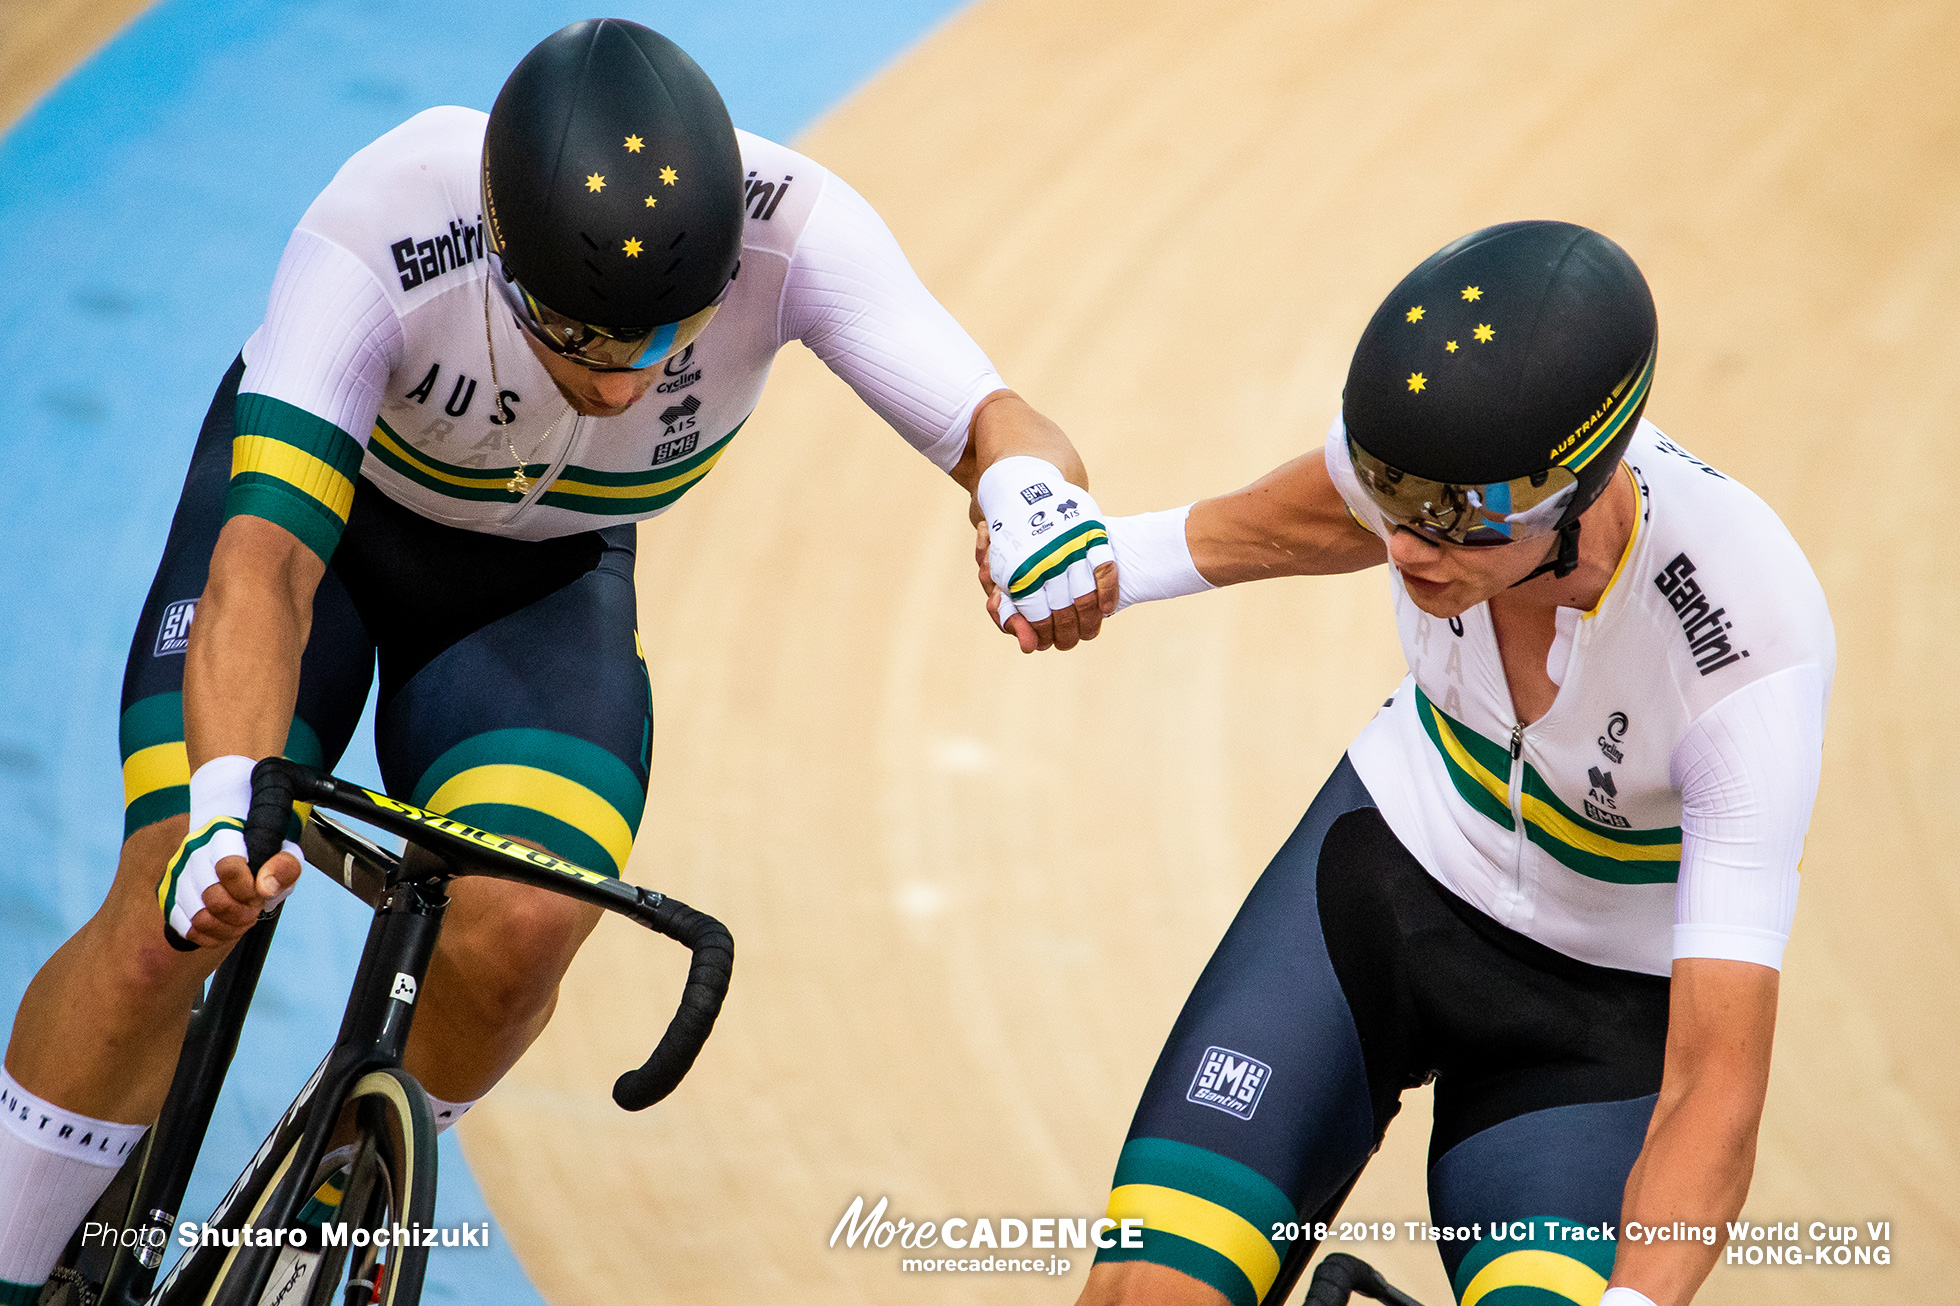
<point x="1350" y="975"/>
<point x="514" y="695"/>
<point x="1546" y="1074"/>
<point x="1259" y="1114"/>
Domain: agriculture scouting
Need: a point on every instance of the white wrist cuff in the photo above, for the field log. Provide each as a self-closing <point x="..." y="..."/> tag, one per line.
<point x="221" y="787"/>
<point x="1153" y="558"/>
<point x="1626" y="1297"/>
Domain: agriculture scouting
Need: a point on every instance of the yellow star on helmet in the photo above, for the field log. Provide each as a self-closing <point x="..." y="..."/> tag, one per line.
<point x="1449" y="346"/>
<point x="668" y="176"/>
<point x="595" y="183"/>
<point x="1414" y="314"/>
<point x="634" y="145"/>
<point x="651" y="201"/>
<point x="1483" y="333"/>
<point x="1416" y="382"/>
<point x="1473" y="293"/>
<point x="632" y="247"/>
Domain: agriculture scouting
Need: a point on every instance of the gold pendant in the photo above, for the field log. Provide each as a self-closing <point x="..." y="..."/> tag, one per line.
<point x="518" y="483"/>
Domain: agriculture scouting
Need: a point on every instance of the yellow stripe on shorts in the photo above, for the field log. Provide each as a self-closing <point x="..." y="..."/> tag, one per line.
<point x="296" y="467"/>
<point x="541" y="791"/>
<point x="1574" y="1280"/>
<point x="160" y="766"/>
<point x="1206" y="1223"/>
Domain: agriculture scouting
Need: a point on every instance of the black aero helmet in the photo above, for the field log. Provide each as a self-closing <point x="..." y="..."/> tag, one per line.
<point x="612" y="191"/>
<point x="1496" y="388"/>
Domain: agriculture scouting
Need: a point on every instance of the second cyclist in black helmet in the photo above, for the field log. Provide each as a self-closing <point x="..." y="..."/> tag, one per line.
<point x="494" y="343"/>
<point x="1475" y="443"/>
<point x="1555" y="872"/>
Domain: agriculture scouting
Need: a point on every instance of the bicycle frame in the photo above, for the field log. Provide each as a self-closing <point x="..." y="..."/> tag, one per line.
<point x="410" y="896"/>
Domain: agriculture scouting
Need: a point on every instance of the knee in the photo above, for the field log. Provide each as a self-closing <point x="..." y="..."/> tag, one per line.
<point x="513" y="946"/>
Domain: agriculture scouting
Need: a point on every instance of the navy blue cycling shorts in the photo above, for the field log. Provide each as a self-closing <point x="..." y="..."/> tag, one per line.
<point x="514" y="693"/>
<point x="1349" y="975"/>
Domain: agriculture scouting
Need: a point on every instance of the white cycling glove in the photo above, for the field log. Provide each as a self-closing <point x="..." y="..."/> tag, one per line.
<point x="221" y="794"/>
<point x="1045" y="537"/>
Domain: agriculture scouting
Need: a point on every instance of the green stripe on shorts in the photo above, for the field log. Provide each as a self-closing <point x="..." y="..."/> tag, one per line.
<point x="1237" y="1187"/>
<point x="1186" y="1257"/>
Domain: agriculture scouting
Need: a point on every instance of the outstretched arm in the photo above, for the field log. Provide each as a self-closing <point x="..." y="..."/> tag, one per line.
<point x="1290" y="522"/>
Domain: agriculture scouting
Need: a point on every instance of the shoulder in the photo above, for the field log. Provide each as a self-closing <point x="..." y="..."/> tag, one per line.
<point x="781" y="189"/>
<point x="408" y="205"/>
<point x="1340" y="470"/>
<point x="1722" y="570"/>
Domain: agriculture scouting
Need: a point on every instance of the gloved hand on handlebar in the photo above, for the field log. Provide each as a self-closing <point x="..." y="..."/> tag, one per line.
<point x="1046" y="554"/>
<point x="209" y="894"/>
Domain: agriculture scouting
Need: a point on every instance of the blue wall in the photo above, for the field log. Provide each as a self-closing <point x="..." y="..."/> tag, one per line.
<point x="143" y="206"/>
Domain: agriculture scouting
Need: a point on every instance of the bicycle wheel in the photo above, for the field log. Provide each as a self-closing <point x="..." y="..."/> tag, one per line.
<point x="390" y="1182"/>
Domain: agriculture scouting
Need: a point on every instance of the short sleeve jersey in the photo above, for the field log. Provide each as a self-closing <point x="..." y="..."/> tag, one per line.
<point x="1569" y="829"/>
<point x="385" y="353"/>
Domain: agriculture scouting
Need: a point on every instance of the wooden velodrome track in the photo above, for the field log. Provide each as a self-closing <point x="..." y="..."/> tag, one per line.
<point x="971" y="889"/>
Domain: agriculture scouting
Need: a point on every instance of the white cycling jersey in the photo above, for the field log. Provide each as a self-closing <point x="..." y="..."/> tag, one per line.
<point x="375" y="355"/>
<point x="1657" y="810"/>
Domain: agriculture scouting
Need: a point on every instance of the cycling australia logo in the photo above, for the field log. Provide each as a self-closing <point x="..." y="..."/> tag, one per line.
<point x="680" y="372"/>
<point x="174" y="631"/>
<point x="1707" y="632"/>
<point x="1616" y="733"/>
<point x="1229" y="1081"/>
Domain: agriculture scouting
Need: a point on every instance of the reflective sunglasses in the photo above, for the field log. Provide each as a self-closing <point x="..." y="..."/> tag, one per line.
<point x="601" y="349"/>
<point x="1475" y="516"/>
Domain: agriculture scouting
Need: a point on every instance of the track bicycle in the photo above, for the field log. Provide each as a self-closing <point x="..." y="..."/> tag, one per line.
<point x="361" y="1127"/>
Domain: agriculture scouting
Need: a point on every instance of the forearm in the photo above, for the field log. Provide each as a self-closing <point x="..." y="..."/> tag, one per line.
<point x="241" y="673"/>
<point x="1695" y="1169"/>
<point x="1290" y="522"/>
<point x="1700" y="1152"/>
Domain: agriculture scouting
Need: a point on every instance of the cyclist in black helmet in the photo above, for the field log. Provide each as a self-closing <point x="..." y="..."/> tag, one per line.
<point x="1555" y="873"/>
<point x="492" y="346"/>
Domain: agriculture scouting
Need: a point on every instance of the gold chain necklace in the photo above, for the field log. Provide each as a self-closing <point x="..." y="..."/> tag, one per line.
<point x="518" y="483"/>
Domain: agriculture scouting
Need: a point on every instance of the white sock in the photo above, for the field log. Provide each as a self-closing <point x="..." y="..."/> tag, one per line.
<point x="54" y="1164"/>
<point x="447" y="1113"/>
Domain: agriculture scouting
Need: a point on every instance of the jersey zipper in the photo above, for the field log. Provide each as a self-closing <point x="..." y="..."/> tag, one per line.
<point x="1517" y="809"/>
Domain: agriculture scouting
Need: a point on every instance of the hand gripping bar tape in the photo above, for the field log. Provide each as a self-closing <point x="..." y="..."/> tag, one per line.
<point x="278" y="783"/>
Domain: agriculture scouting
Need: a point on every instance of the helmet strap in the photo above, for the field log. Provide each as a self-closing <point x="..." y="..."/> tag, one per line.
<point x="1564" y="561"/>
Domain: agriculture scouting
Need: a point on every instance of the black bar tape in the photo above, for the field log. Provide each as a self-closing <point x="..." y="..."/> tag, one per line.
<point x="272" y="810"/>
<point x="1340" y="1275"/>
<point x="707" y="984"/>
